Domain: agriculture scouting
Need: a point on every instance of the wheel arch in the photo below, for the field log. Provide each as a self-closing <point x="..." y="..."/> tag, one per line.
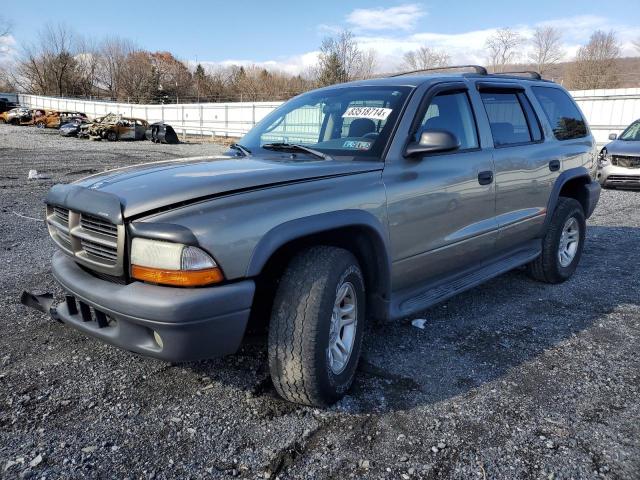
<point x="574" y="183"/>
<point x="358" y="231"/>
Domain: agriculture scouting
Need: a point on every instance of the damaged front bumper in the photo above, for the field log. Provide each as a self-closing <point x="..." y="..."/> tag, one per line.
<point x="173" y="324"/>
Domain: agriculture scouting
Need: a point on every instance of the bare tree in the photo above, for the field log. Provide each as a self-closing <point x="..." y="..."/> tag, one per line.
<point x="48" y="66"/>
<point x="425" y="57"/>
<point x="368" y="64"/>
<point x="547" y="48"/>
<point x="5" y="27"/>
<point x="502" y="48"/>
<point x="112" y="54"/>
<point x="340" y="59"/>
<point x="595" y="63"/>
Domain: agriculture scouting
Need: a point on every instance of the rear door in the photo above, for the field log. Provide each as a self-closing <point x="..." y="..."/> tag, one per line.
<point x="441" y="207"/>
<point x="526" y="167"/>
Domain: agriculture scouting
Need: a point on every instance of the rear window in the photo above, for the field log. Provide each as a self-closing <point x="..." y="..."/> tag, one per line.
<point x="563" y="115"/>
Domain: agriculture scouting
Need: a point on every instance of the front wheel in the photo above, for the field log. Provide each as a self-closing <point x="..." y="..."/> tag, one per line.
<point x="40" y="125"/>
<point x="562" y="244"/>
<point x="112" y="136"/>
<point x="316" y="328"/>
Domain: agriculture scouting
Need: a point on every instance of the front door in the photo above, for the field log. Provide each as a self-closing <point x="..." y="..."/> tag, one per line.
<point x="441" y="207"/>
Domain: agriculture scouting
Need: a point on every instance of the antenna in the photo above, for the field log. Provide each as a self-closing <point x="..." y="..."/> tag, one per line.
<point x="476" y="68"/>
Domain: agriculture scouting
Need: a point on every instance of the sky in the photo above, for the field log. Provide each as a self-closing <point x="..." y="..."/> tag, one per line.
<point x="286" y="34"/>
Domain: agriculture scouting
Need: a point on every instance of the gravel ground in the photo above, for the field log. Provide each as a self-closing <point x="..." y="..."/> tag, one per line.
<point x="514" y="379"/>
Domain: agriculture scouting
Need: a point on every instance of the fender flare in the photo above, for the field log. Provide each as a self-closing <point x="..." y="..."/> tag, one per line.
<point x="314" y="224"/>
<point x="591" y="191"/>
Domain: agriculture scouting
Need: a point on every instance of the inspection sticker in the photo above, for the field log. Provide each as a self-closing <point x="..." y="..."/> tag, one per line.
<point x="374" y="113"/>
<point x="357" y="145"/>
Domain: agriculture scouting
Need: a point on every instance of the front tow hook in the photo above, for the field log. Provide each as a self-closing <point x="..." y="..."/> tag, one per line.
<point x="42" y="302"/>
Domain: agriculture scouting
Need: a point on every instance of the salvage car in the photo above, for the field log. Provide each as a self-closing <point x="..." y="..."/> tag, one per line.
<point x="53" y="119"/>
<point x="619" y="161"/>
<point x="115" y="127"/>
<point x="371" y="200"/>
<point x="73" y="127"/>
<point x="6" y="105"/>
<point x="19" y="116"/>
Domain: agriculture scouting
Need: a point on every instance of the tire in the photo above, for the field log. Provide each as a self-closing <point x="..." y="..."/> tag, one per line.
<point x="40" y="125"/>
<point x="111" y="136"/>
<point x="303" y="368"/>
<point x="549" y="267"/>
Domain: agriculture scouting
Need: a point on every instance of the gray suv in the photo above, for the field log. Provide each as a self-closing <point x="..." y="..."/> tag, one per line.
<point x="371" y="200"/>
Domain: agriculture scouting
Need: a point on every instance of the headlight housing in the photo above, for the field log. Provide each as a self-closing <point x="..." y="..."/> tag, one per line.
<point x="168" y="263"/>
<point x="604" y="158"/>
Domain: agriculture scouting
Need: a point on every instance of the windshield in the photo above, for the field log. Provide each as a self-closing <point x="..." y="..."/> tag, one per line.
<point x="632" y="133"/>
<point x="342" y="121"/>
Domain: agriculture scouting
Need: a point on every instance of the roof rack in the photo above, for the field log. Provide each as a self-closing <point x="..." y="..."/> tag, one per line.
<point x="531" y="73"/>
<point x="477" y="68"/>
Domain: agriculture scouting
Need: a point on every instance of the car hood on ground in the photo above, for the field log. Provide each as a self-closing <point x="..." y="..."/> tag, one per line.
<point x="623" y="147"/>
<point x="147" y="187"/>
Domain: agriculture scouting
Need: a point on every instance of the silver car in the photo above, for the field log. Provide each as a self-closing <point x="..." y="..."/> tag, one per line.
<point x="619" y="162"/>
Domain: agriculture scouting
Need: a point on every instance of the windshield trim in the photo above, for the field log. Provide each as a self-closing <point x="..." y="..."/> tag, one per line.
<point x="633" y="124"/>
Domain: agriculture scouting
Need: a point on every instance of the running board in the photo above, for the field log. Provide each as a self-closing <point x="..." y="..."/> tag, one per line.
<point x="420" y="300"/>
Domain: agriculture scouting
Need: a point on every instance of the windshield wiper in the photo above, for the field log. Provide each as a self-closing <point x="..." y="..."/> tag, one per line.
<point x="243" y="150"/>
<point x="294" y="147"/>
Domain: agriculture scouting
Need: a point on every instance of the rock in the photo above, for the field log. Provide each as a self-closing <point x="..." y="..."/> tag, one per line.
<point x="365" y="464"/>
<point x="36" y="461"/>
<point x="434" y="449"/>
<point x="90" y="449"/>
<point x="442" y="445"/>
<point x="404" y="458"/>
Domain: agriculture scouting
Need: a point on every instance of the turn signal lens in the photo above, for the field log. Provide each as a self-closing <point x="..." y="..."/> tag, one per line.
<point x="178" y="278"/>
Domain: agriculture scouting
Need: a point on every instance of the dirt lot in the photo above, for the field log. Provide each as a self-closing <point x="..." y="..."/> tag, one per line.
<point x="514" y="379"/>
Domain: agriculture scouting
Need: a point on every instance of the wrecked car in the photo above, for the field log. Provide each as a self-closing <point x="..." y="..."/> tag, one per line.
<point x="54" y="119"/>
<point x="161" y="133"/>
<point x="6" y="105"/>
<point x="316" y="224"/>
<point x="73" y="127"/>
<point x="20" y="116"/>
<point x="619" y="161"/>
<point x="115" y="127"/>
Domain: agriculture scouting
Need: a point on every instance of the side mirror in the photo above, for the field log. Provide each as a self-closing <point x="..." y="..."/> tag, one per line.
<point x="613" y="136"/>
<point x="433" y="141"/>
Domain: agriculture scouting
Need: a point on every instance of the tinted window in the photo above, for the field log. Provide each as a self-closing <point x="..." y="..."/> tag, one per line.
<point x="562" y="113"/>
<point x="451" y="112"/>
<point x="506" y="117"/>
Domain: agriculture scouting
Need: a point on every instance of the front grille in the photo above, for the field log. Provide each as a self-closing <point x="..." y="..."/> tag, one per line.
<point x="623" y="179"/>
<point x="625" y="161"/>
<point x="95" y="242"/>
<point x="98" y="225"/>
<point x="100" y="251"/>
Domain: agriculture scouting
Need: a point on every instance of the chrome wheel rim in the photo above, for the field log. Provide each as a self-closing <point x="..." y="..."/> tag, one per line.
<point x="569" y="240"/>
<point x="342" y="333"/>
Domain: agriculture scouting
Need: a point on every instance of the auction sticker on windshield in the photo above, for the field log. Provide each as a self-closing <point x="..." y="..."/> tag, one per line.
<point x="374" y="113"/>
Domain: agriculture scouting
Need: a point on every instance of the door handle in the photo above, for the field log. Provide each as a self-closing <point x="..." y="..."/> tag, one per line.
<point x="485" y="178"/>
<point x="554" y="165"/>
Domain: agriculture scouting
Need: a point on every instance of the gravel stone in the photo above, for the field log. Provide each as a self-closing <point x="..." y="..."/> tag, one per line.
<point x="495" y="373"/>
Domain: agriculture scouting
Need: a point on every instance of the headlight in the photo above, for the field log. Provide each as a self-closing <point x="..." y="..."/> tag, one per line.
<point x="604" y="158"/>
<point x="175" y="264"/>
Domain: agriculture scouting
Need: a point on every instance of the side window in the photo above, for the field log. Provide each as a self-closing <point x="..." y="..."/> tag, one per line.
<point x="562" y="113"/>
<point x="451" y="112"/>
<point x="507" y="119"/>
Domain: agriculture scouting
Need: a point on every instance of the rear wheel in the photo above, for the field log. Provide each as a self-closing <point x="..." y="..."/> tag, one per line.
<point x="112" y="136"/>
<point x="316" y="327"/>
<point x="562" y="245"/>
<point x="40" y="125"/>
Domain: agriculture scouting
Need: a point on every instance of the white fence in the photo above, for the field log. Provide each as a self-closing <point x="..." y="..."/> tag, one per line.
<point x="607" y="111"/>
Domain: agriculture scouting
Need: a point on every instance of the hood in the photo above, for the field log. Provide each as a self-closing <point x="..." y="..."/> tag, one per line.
<point x="623" y="147"/>
<point x="146" y="187"/>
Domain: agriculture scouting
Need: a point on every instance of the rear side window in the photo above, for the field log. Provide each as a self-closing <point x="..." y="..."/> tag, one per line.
<point x="562" y="113"/>
<point x="507" y="118"/>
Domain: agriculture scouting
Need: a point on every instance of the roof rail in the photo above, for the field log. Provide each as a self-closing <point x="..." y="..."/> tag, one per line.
<point x="531" y="73"/>
<point x="477" y="68"/>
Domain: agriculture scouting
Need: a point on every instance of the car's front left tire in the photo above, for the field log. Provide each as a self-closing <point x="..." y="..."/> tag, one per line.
<point x="317" y="324"/>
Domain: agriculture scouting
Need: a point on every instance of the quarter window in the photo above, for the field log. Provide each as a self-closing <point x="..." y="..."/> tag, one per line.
<point x="508" y="120"/>
<point x="451" y="112"/>
<point x="563" y="114"/>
